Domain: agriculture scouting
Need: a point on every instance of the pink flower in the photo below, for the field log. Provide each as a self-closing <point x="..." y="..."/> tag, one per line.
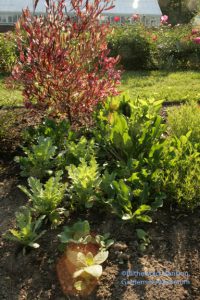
<point x="135" y="17"/>
<point x="197" y="40"/>
<point x="194" y="31"/>
<point x="164" y="19"/>
<point x="116" y="19"/>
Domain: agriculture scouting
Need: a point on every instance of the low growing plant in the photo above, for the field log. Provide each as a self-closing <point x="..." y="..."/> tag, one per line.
<point x="80" y="267"/>
<point x="80" y="233"/>
<point x="183" y="119"/>
<point x="39" y="160"/>
<point x="85" y="180"/>
<point x="27" y="232"/>
<point x="46" y="198"/>
<point x="181" y="180"/>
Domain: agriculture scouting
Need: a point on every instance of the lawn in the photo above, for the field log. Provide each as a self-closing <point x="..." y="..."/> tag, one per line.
<point x="169" y="86"/>
<point x="9" y="97"/>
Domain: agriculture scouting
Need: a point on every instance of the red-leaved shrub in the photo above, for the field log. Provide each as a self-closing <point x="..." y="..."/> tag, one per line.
<point x="64" y="61"/>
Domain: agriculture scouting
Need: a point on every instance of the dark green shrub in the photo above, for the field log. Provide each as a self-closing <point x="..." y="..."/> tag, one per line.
<point x="155" y="48"/>
<point x="131" y="43"/>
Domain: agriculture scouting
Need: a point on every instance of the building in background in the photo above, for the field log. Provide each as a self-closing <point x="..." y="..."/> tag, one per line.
<point x="148" y="11"/>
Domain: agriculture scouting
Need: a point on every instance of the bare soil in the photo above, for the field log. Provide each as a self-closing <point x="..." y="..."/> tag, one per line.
<point x="175" y="244"/>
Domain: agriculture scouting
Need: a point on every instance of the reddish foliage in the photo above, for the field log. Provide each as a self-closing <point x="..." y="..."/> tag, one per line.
<point x="64" y="61"/>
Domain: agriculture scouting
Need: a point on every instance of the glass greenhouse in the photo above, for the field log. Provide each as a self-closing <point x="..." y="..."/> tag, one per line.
<point x="147" y="10"/>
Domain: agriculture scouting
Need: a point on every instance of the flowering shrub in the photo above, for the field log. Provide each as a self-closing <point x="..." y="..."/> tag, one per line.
<point x="131" y="43"/>
<point x="156" y="48"/>
<point x="63" y="63"/>
<point x="164" y="19"/>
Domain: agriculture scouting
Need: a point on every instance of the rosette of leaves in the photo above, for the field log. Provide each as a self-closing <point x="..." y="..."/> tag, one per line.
<point x="46" y="198"/>
<point x="39" y="160"/>
<point x="27" y="232"/>
<point x="80" y="233"/>
<point x="88" y="266"/>
<point x="85" y="181"/>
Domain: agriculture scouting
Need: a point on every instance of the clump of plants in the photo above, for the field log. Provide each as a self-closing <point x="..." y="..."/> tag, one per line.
<point x="46" y="198"/>
<point x="39" y="160"/>
<point x="181" y="177"/>
<point x="184" y="119"/>
<point x="8" y="52"/>
<point x="64" y="64"/>
<point x="80" y="267"/>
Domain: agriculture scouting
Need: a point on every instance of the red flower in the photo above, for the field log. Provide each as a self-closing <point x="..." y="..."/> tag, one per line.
<point x="197" y="40"/>
<point x="194" y="31"/>
<point x="116" y="19"/>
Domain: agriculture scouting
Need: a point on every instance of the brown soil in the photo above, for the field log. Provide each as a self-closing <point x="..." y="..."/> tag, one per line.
<point x="175" y="245"/>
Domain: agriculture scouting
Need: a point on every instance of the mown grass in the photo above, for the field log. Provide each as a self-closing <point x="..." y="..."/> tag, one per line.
<point x="168" y="86"/>
<point x="9" y="97"/>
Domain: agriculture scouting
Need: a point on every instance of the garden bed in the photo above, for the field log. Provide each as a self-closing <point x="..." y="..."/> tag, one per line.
<point x="174" y="247"/>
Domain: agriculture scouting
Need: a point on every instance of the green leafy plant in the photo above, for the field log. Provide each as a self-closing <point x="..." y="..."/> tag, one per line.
<point x="183" y="119"/>
<point x="84" y="254"/>
<point x="27" y="232"/>
<point x="85" y="180"/>
<point x="39" y="160"/>
<point x="181" y="180"/>
<point x="46" y="198"/>
<point x="81" y="149"/>
<point x="144" y="239"/>
<point x="80" y="233"/>
<point x="88" y="266"/>
<point x="8" y="52"/>
<point x="56" y="130"/>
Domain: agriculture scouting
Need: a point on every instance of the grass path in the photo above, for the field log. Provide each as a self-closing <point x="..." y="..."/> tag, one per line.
<point x="9" y="97"/>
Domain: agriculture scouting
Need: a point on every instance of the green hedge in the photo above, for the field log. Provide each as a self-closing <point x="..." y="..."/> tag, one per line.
<point x="162" y="48"/>
<point x="8" y="52"/>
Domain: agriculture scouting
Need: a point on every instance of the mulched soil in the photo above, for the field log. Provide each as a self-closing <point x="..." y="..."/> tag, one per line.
<point x="175" y="244"/>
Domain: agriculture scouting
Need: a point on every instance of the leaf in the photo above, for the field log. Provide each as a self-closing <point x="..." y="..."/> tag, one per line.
<point x="78" y="273"/>
<point x="95" y="270"/>
<point x="141" y="234"/>
<point x="157" y="203"/>
<point x="144" y="218"/>
<point x="76" y="258"/>
<point x="100" y="257"/>
<point x="34" y="245"/>
<point x="143" y="208"/>
<point x="80" y="285"/>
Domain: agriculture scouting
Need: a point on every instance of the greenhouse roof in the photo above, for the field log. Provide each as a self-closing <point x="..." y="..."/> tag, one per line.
<point x="122" y="7"/>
